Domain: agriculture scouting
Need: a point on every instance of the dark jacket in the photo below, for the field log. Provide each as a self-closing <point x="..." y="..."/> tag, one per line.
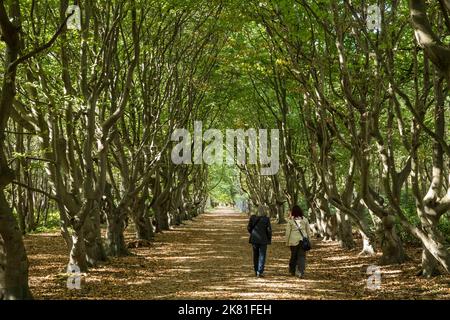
<point x="260" y="230"/>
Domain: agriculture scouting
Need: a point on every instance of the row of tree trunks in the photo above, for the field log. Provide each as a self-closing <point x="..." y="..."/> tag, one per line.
<point x="14" y="271"/>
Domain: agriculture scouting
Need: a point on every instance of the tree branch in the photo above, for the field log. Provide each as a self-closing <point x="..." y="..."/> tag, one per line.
<point x="9" y="31"/>
<point x="41" y="48"/>
<point x="45" y="193"/>
<point x="438" y="53"/>
<point x="445" y="7"/>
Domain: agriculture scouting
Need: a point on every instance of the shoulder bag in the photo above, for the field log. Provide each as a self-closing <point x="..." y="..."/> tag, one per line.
<point x="306" y="245"/>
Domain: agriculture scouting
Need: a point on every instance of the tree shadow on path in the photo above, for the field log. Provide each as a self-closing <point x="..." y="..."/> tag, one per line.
<point x="210" y="258"/>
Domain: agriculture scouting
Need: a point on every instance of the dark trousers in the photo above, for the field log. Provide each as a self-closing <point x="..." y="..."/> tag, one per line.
<point x="298" y="259"/>
<point x="259" y="257"/>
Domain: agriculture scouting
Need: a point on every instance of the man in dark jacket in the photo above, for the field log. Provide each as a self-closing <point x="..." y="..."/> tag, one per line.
<point x="260" y="236"/>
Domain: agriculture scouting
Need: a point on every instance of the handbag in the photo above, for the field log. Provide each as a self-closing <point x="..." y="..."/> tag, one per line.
<point x="306" y="245"/>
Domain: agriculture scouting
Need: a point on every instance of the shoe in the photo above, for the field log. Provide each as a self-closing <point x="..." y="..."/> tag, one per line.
<point x="260" y="275"/>
<point x="292" y="273"/>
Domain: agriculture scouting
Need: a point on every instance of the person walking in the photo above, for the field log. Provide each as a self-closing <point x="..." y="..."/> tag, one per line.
<point x="297" y="228"/>
<point x="260" y="231"/>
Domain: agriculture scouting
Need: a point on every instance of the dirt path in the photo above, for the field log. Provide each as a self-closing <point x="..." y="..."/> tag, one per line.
<point x="210" y="258"/>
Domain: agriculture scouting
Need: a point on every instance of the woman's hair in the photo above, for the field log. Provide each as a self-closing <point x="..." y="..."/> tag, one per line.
<point x="261" y="211"/>
<point x="297" y="212"/>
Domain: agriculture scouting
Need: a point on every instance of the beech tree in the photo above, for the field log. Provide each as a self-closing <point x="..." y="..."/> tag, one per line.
<point x="87" y="114"/>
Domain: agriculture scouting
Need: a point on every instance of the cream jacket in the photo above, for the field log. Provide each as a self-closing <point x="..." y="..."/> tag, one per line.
<point x="293" y="236"/>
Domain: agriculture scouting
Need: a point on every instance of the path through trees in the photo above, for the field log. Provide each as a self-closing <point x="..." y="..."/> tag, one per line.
<point x="210" y="258"/>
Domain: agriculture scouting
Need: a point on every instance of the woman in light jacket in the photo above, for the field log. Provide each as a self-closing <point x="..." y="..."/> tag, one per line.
<point x="297" y="221"/>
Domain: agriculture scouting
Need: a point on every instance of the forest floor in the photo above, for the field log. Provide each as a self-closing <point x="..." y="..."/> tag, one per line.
<point x="210" y="258"/>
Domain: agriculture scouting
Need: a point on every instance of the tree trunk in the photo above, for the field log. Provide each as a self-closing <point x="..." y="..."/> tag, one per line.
<point x="15" y="269"/>
<point x="2" y="269"/>
<point x="345" y="234"/>
<point x="144" y="228"/>
<point x="435" y="251"/>
<point x="368" y="247"/>
<point x="331" y="227"/>
<point x="177" y="218"/>
<point x="280" y="213"/>
<point x="435" y="49"/>
<point x="367" y="236"/>
<point x="77" y="256"/>
<point x="319" y="219"/>
<point x="427" y="209"/>
<point x="325" y="222"/>
<point x="115" y="240"/>
<point x="429" y="264"/>
<point x="391" y="245"/>
<point x="162" y="218"/>
<point x="142" y="223"/>
<point x="95" y="252"/>
<point x="20" y="209"/>
<point x="21" y="201"/>
<point x="31" y="219"/>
